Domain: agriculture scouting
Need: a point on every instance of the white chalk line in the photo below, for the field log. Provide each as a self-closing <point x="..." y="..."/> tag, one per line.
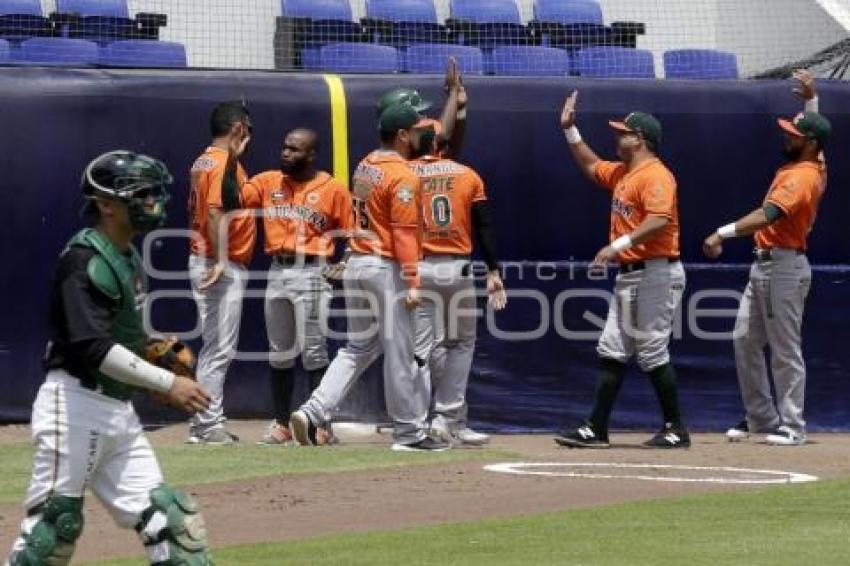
<point x="534" y="469"/>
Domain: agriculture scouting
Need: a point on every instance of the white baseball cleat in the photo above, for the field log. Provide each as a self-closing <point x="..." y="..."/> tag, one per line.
<point x="739" y="432"/>
<point x="469" y="437"/>
<point x="785" y="436"/>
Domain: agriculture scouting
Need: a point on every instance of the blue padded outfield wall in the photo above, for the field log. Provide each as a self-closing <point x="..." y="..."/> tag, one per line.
<point x="720" y="139"/>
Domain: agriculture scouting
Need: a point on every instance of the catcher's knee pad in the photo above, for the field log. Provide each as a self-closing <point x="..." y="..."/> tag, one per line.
<point x="173" y="530"/>
<point x="53" y="538"/>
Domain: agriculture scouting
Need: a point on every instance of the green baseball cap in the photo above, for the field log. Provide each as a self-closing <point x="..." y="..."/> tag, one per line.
<point x="401" y="95"/>
<point x="808" y="125"/>
<point x="641" y="123"/>
<point x="401" y="117"/>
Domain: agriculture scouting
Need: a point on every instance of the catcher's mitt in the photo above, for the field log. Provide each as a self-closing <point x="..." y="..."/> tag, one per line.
<point x="171" y="354"/>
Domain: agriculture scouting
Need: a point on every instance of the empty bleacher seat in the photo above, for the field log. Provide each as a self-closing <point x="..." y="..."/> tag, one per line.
<point x="22" y="19"/>
<point x="105" y="8"/>
<point x="104" y="21"/>
<point x="419" y="11"/>
<point x="700" y="64"/>
<point x="431" y="58"/>
<point x="21" y="7"/>
<point x="143" y="53"/>
<point x="354" y="58"/>
<point x="318" y="9"/>
<point x="615" y="62"/>
<point x="5" y="52"/>
<point x="526" y="60"/>
<point x="487" y="23"/>
<point x="58" y="51"/>
<point x="569" y="12"/>
<point x="403" y="22"/>
<point x="314" y="23"/>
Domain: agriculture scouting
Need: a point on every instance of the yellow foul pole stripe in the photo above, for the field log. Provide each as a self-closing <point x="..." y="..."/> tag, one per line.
<point x="339" y="127"/>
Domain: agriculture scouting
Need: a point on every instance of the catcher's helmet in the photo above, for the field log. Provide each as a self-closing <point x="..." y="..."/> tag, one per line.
<point x="401" y="96"/>
<point x="136" y="179"/>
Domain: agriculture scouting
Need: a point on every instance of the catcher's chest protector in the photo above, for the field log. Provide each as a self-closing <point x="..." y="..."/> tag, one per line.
<point x="121" y="278"/>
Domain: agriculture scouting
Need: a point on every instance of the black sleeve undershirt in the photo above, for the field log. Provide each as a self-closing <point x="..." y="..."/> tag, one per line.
<point x="482" y="225"/>
<point x="81" y="316"/>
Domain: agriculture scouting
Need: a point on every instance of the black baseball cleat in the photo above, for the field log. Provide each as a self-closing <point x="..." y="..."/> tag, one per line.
<point x="427" y="444"/>
<point x="303" y="429"/>
<point x="669" y="437"/>
<point x="582" y="437"/>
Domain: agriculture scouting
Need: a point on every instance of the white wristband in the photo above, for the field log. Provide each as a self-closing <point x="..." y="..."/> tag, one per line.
<point x="461" y="114"/>
<point x="812" y="105"/>
<point x="573" y="136"/>
<point x="123" y="365"/>
<point x="727" y="231"/>
<point x="622" y="243"/>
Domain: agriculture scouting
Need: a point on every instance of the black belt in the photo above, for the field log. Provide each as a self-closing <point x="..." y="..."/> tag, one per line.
<point x="289" y="260"/>
<point x="767" y="255"/>
<point x="640" y="265"/>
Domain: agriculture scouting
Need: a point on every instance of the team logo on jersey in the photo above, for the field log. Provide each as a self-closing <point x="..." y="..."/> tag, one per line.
<point x="622" y="208"/>
<point x="405" y="194"/>
<point x="204" y="163"/>
<point x="313" y="198"/>
<point x="277" y="196"/>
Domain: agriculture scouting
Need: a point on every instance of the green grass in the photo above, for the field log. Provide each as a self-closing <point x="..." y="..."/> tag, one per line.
<point x="180" y="464"/>
<point x="802" y="524"/>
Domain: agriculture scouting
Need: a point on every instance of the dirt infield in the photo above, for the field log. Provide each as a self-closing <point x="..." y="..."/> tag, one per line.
<point x="300" y="506"/>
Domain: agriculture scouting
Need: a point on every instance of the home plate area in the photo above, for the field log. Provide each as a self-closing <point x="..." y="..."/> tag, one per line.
<point x="651" y="472"/>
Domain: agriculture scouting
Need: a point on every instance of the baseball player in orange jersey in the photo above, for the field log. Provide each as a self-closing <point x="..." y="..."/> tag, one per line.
<point x="302" y="211"/>
<point x="454" y="206"/>
<point x="651" y="280"/>
<point x="381" y="283"/>
<point x="217" y="270"/>
<point x="771" y="310"/>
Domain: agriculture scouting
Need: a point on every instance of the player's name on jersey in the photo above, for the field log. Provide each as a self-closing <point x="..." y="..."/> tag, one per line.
<point x="438" y="185"/>
<point x="369" y="173"/>
<point x="298" y="212"/>
<point x="438" y="168"/>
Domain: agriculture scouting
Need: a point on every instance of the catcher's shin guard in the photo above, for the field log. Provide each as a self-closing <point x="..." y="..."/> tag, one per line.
<point x="52" y="539"/>
<point x="173" y="530"/>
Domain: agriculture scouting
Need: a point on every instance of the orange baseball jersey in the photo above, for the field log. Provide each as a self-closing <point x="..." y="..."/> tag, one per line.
<point x="296" y="216"/>
<point x="206" y="176"/>
<point x="797" y="190"/>
<point x="448" y="191"/>
<point x="385" y="194"/>
<point x="649" y="190"/>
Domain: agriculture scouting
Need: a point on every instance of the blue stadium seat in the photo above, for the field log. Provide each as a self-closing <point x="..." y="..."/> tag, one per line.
<point x="104" y="8"/>
<point x="568" y="12"/>
<point x="143" y="53"/>
<point x="403" y="22"/>
<point x="22" y="19"/>
<point x="21" y="7"/>
<point x="318" y="9"/>
<point x="320" y="22"/>
<point x="615" y="62"/>
<point x="487" y="23"/>
<point x="58" y="51"/>
<point x="571" y="24"/>
<point x="526" y="60"/>
<point x="354" y="58"/>
<point x="486" y="11"/>
<point x="5" y="52"/>
<point x="432" y="57"/>
<point x="420" y="11"/>
<point x="700" y="64"/>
